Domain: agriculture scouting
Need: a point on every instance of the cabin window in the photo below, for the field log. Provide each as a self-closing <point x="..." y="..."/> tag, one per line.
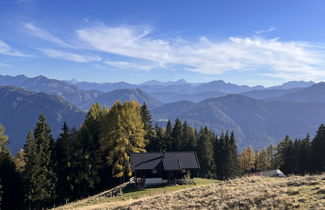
<point x="184" y="170"/>
<point x="154" y="171"/>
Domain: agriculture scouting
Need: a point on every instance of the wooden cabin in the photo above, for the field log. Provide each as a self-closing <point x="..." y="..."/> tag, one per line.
<point x="159" y="168"/>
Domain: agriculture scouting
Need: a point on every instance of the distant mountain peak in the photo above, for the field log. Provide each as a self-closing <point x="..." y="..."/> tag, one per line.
<point x="294" y="84"/>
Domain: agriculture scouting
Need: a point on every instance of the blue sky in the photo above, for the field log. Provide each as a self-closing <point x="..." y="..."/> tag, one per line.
<point x="245" y="42"/>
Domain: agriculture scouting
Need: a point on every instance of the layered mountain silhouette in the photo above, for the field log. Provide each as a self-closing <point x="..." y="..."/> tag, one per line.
<point x="20" y="109"/>
<point x="255" y="122"/>
<point x="259" y="116"/>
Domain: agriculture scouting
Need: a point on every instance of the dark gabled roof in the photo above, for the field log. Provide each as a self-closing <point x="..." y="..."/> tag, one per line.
<point x="164" y="161"/>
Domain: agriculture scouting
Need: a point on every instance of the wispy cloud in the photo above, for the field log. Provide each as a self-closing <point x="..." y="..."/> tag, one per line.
<point x="45" y="35"/>
<point x="58" y="54"/>
<point x="206" y="56"/>
<point x="132" y="65"/>
<point x="270" y="29"/>
<point x="5" y="49"/>
<point x="5" y="65"/>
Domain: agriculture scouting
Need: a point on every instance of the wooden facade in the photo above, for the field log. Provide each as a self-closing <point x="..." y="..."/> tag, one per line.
<point x="163" y="168"/>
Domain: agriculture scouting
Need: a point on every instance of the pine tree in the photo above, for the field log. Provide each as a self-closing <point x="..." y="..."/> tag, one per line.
<point x="146" y="118"/>
<point x="286" y="154"/>
<point x="205" y="153"/>
<point x="304" y="156"/>
<point x="63" y="150"/>
<point x="233" y="157"/>
<point x="10" y="180"/>
<point x="317" y="150"/>
<point x="39" y="176"/>
<point x="168" y="139"/>
<point x="188" y="138"/>
<point x="227" y="165"/>
<point x="176" y="136"/>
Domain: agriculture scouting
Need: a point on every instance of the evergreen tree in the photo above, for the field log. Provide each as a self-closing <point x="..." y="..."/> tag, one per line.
<point x="146" y="118"/>
<point x="150" y="134"/>
<point x="168" y="139"/>
<point x="176" y="136"/>
<point x="160" y="139"/>
<point x="63" y="149"/>
<point x="286" y="155"/>
<point x="89" y="136"/>
<point x="10" y="180"/>
<point x="304" y="156"/>
<point x="39" y="176"/>
<point x="317" y="150"/>
<point x="188" y="139"/>
<point x="233" y="157"/>
<point x="226" y="157"/>
<point x="205" y="153"/>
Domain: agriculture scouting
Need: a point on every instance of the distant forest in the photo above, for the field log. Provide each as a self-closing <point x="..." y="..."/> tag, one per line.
<point x="48" y="172"/>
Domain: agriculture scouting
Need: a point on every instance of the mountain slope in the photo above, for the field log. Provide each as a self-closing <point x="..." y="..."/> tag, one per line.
<point x="127" y="95"/>
<point x="269" y="93"/>
<point x="70" y="92"/>
<point x="314" y="93"/>
<point x="255" y="122"/>
<point x="19" y="111"/>
<point x="169" y="97"/>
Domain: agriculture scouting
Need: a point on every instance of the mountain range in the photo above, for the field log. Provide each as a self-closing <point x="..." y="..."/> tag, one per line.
<point x="20" y="109"/>
<point x="258" y="115"/>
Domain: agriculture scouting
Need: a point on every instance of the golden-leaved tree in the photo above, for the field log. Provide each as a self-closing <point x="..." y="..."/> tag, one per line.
<point x="247" y="160"/>
<point x="122" y="134"/>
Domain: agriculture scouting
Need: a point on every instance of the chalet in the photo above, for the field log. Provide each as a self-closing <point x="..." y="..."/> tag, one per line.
<point x="159" y="168"/>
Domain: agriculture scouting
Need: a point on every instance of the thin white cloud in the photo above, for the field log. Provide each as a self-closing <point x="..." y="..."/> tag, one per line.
<point x="5" y="49"/>
<point x="43" y="34"/>
<point x="57" y="54"/>
<point x="206" y="56"/>
<point x="132" y="65"/>
<point x="270" y="29"/>
<point x="5" y="65"/>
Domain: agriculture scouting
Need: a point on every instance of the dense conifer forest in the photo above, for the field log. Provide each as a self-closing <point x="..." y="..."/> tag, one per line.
<point x="83" y="161"/>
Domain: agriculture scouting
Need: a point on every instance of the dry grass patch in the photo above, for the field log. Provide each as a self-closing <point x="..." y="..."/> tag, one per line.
<point x="296" y="192"/>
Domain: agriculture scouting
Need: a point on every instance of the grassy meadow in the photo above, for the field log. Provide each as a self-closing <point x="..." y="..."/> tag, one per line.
<point x="295" y="192"/>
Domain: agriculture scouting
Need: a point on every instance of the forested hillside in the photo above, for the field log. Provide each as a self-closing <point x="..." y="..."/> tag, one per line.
<point x="95" y="157"/>
<point x="19" y="109"/>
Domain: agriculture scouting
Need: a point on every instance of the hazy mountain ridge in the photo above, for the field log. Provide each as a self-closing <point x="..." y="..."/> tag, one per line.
<point x="76" y="95"/>
<point x="314" y="93"/>
<point x="19" y="111"/>
<point x="70" y="92"/>
<point x="259" y="116"/>
<point x="255" y="122"/>
<point x="123" y="95"/>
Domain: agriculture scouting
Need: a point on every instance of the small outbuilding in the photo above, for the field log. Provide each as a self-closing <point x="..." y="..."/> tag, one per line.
<point x="271" y="173"/>
<point x="157" y="168"/>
